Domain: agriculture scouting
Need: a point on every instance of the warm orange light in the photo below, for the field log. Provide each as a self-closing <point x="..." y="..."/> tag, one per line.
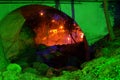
<point x="53" y="20"/>
<point x="82" y="35"/>
<point x="44" y="38"/>
<point x="62" y="30"/>
<point x="41" y="13"/>
<point x="61" y="27"/>
<point x="58" y="35"/>
<point x="50" y="31"/>
<point x="68" y="38"/>
<point x="54" y="30"/>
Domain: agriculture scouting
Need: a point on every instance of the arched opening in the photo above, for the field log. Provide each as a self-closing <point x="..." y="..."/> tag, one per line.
<point x="43" y="34"/>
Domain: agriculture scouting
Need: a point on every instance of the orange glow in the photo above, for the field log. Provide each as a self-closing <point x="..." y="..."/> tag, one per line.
<point x="68" y="38"/>
<point x="53" y="20"/>
<point x="44" y="38"/>
<point x="57" y="36"/>
<point x="50" y="31"/>
<point x="54" y="30"/>
<point x="62" y="30"/>
<point x="41" y="13"/>
<point x="82" y="35"/>
<point x="61" y="27"/>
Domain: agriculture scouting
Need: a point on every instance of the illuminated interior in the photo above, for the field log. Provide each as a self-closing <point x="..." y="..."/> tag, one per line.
<point x="57" y="36"/>
<point x="55" y="33"/>
<point x="52" y="27"/>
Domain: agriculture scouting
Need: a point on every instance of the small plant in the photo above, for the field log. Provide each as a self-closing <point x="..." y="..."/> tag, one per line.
<point x="14" y="67"/>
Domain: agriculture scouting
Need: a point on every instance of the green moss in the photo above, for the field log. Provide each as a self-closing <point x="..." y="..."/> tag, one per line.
<point x="12" y="72"/>
<point x="31" y="70"/>
<point x="41" y="68"/>
<point x="28" y="76"/>
<point x="10" y="75"/>
<point x="14" y="67"/>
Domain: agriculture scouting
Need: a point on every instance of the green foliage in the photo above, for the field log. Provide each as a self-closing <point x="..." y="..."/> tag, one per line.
<point x="0" y="75"/>
<point x="12" y="72"/>
<point x="31" y="70"/>
<point x="41" y="67"/>
<point x="28" y="76"/>
<point x="103" y="68"/>
<point x="105" y="51"/>
<point x="10" y="75"/>
<point x="14" y="67"/>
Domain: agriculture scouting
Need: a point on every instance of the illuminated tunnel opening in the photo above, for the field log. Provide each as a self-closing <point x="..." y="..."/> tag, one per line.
<point x="47" y="35"/>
